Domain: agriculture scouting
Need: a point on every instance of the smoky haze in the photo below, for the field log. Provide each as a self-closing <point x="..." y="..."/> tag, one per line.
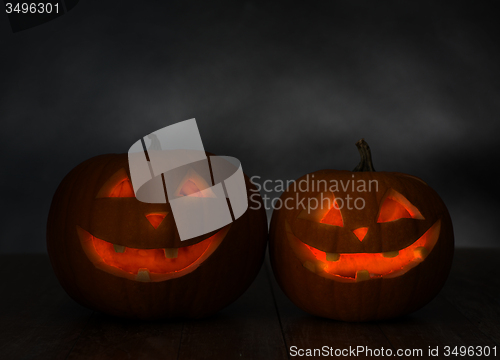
<point x="287" y="90"/>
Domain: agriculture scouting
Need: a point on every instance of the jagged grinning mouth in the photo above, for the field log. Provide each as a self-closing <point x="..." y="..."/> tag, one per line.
<point x="148" y="265"/>
<point x="355" y="267"/>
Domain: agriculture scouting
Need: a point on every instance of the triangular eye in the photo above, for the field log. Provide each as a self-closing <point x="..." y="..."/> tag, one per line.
<point x="188" y="188"/>
<point x="396" y="207"/>
<point x="333" y="216"/>
<point x="123" y="189"/>
<point x="194" y="185"/>
<point x="118" y="185"/>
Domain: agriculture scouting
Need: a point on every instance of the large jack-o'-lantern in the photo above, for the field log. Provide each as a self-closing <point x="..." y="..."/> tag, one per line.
<point x="373" y="245"/>
<point x="115" y="254"/>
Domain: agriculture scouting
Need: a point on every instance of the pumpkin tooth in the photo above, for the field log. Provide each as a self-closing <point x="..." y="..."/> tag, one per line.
<point x="171" y="253"/>
<point x="309" y="265"/>
<point x="143" y="275"/>
<point x="362" y="275"/>
<point x="421" y="252"/>
<point x="332" y="256"/>
<point x="390" y="254"/>
<point x="119" y="248"/>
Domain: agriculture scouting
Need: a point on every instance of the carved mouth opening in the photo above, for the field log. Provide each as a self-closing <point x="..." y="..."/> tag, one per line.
<point x="148" y="264"/>
<point x="355" y="267"/>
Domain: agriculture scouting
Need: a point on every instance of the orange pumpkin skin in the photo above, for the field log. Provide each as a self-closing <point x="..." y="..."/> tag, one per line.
<point x="315" y="288"/>
<point x="216" y="280"/>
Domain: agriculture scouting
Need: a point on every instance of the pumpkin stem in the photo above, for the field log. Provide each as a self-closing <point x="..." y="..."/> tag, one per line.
<point x="366" y="163"/>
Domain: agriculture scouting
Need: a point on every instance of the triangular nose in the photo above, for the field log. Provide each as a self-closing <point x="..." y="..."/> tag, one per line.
<point x="156" y="218"/>
<point x="360" y="233"/>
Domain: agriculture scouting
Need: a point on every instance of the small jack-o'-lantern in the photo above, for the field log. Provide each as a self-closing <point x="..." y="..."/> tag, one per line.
<point x="115" y="254"/>
<point x="361" y="245"/>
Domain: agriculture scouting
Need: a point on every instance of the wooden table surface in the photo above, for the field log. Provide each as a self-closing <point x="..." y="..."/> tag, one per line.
<point x="39" y="321"/>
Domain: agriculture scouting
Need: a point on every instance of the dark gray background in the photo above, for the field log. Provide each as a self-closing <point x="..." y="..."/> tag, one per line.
<point x="287" y="89"/>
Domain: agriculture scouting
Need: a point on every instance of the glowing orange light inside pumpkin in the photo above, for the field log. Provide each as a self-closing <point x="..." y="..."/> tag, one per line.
<point x="375" y="263"/>
<point x="392" y="210"/>
<point x="188" y="188"/>
<point x="360" y="233"/>
<point x="161" y="264"/>
<point x="156" y="219"/>
<point x="333" y="216"/>
<point x="122" y="189"/>
<point x="131" y="260"/>
<point x="396" y="207"/>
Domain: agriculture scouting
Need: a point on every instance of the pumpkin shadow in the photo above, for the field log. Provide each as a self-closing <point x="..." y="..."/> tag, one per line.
<point x="404" y="319"/>
<point x="123" y="321"/>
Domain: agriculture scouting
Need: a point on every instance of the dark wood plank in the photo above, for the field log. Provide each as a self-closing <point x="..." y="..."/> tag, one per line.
<point x="465" y="313"/>
<point x="438" y="324"/>
<point x="108" y="337"/>
<point x="38" y="321"/>
<point x="462" y="315"/>
<point x="247" y="329"/>
<point x="304" y="331"/>
<point x="474" y="289"/>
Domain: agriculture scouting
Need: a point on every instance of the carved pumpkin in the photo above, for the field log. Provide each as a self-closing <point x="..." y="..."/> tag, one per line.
<point x="115" y="254"/>
<point x="385" y="255"/>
